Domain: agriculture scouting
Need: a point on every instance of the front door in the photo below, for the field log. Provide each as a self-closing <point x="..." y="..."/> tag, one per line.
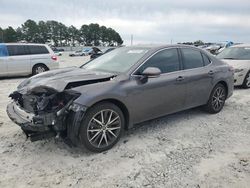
<point x="154" y="97"/>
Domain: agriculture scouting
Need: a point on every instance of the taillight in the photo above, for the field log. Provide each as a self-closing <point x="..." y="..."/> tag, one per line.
<point x="54" y="58"/>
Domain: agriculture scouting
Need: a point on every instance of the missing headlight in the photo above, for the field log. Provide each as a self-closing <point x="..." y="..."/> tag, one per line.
<point x="42" y="100"/>
<point x="77" y="107"/>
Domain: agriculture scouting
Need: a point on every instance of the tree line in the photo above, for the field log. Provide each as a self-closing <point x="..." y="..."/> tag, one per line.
<point x="58" y="34"/>
<point x="195" y="43"/>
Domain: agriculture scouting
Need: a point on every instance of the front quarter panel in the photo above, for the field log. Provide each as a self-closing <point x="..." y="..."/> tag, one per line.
<point x="94" y="93"/>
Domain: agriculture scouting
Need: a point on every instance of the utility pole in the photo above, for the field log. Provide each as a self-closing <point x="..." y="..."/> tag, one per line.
<point x="132" y="38"/>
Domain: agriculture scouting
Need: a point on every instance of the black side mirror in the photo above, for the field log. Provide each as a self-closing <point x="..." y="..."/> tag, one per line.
<point x="151" y="72"/>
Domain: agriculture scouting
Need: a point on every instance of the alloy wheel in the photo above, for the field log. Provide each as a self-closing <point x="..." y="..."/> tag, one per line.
<point x="218" y="98"/>
<point x="104" y="128"/>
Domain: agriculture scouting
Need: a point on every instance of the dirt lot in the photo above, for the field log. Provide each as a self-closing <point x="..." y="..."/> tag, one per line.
<point x="187" y="149"/>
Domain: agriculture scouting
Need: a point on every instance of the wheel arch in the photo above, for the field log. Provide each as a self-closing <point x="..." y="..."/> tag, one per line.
<point x="224" y="84"/>
<point x="245" y="79"/>
<point x="39" y="64"/>
<point x="119" y="104"/>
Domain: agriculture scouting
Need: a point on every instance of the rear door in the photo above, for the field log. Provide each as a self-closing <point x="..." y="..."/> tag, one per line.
<point x="3" y="60"/>
<point x="18" y="62"/>
<point x="198" y="73"/>
<point x="39" y="54"/>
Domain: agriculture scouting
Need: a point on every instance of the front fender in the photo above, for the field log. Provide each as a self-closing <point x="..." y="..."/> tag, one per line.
<point x="89" y="100"/>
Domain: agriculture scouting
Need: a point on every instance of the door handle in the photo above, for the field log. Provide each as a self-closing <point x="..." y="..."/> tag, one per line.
<point x="180" y="78"/>
<point x="211" y="72"/>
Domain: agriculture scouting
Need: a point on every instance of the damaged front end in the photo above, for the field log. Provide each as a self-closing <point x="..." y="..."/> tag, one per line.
<point x="42" y="111"/>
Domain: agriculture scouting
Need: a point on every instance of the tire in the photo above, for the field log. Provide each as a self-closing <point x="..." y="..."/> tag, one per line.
<point x="39" y="69"/>
<point x="216" y="100"/>
<point x="102" y="127"/>
<point x="246" y="83"/>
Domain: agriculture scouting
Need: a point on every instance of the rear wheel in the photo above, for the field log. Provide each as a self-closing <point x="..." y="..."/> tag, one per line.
<point x="102" y="127"/>
<point x="246" y="83"/>
<point x="39" y="69"/>
<point x="217" y="99"/>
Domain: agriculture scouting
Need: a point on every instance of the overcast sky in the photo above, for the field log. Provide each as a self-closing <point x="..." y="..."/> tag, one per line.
<point x="150" y="21"/>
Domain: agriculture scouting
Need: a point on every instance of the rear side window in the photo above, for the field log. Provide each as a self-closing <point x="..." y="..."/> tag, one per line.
<point x="206" y="60"/>
<point x="3" y="51"/>
<point x="15" y="50"/>
<point x="35" y="49"/>
<point x="192" y="58"/>
<point x="166" y="60"/>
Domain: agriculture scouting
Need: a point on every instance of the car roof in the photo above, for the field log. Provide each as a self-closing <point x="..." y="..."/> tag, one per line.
<point x="155" y="47"/>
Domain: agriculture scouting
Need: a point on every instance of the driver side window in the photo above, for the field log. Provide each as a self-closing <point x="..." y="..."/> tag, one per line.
<point x="166" y="60"/>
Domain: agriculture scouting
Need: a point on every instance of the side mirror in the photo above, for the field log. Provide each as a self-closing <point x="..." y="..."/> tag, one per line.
<point x="151" y="72"/>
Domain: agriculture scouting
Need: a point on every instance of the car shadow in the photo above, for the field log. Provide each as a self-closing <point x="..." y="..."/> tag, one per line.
<point x="239" y="88"/>
<point x="168" y="119"/>
<point x="159" y="123"/>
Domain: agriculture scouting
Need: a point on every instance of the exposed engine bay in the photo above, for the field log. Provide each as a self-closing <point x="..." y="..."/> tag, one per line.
<point x="42" y="100"/>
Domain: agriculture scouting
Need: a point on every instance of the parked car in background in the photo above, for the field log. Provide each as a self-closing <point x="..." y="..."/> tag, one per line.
<point x="91" y="51"/>
<point x="76" y="53"/>
<point x="99" y="53"/>
<point x="58" y="53"/>
<point x="238" y="56"/>
<point x="57" y="49"/>
<point x="216" y="48"/>
<point x="24" y="59"/>
<point x="92" y="105"/>
<point x="87" y="51"/>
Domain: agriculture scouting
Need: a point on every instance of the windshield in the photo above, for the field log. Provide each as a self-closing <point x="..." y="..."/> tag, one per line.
<point x="237" y="53"/>
<point x="119" y="60"/>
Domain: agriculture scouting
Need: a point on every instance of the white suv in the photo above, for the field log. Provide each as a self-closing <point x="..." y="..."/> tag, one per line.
<point x="25" y="59"/>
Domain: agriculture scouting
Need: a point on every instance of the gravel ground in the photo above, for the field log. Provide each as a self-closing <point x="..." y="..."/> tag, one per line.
<point x="187" y="149"/>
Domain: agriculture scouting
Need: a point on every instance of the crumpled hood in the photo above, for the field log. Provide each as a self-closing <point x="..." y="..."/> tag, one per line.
<point x="60" y="78"/>
<point x="237" y="64"/>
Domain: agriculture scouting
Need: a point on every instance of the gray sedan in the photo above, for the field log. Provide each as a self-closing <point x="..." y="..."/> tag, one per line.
<point x="92" y="105"/>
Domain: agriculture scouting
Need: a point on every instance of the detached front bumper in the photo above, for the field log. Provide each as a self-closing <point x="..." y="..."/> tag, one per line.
<point x="35" y="127"/>
<point x="48" y="125"/>
<point x="27" y="121"/>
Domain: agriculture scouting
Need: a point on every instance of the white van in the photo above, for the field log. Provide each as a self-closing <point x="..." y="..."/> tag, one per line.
<point x="18" y="59"/>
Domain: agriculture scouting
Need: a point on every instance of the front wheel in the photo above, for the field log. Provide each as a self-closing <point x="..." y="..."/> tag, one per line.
<point x="217" y="99"/>
<point x="102" y="127"/>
